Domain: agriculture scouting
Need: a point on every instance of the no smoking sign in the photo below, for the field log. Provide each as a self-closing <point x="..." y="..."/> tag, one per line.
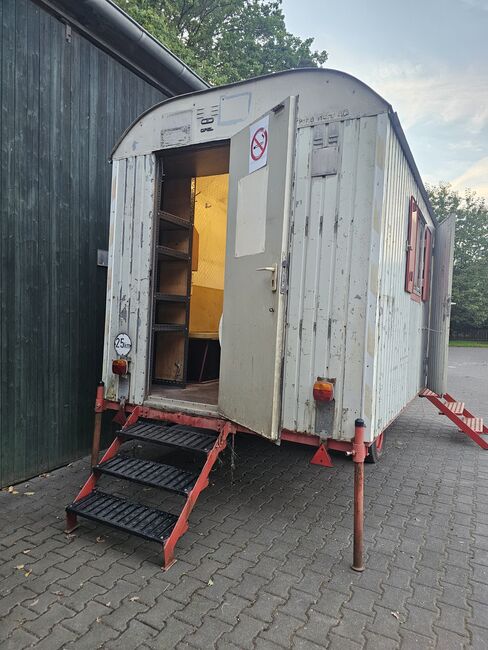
<point x="258" y="144"/>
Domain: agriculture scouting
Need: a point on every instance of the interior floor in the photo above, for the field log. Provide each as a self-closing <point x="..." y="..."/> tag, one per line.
<point x="202" y="393"/>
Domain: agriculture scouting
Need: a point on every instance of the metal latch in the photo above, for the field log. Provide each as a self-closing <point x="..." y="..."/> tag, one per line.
<point x="273" y="270"/>
<point x="284" y="276"/>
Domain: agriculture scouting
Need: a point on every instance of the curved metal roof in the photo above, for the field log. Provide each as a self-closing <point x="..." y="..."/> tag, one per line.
<point x="395" y="122"/>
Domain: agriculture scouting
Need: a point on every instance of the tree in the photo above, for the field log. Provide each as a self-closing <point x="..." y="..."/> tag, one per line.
<point x="470" y="278"/>
<point x="225" y="40"/>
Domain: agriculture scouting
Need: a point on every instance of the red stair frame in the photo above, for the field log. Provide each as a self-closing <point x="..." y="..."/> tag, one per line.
<point x="466" y="422"/>
<point x="224" y="428"/>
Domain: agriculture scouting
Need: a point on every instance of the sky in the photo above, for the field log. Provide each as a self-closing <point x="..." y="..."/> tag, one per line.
<point x="428" y="59"/>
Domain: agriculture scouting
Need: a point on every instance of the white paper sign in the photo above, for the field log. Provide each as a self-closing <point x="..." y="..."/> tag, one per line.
<point x="258" y="144"/>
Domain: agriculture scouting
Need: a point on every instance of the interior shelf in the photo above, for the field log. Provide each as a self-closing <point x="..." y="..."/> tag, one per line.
<point x="171" y="220"/>
<point x="173" y="265"/>
<point x="169" y="327"/>
<point x="167" y="297"/>
<point x="164" y="252"/>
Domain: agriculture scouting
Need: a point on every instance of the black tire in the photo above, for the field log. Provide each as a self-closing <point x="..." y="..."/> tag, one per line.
<point x="375" y="451"/>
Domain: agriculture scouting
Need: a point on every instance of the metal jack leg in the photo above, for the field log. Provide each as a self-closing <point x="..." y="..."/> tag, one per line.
<point x="97" y="426"/>
<point x="359" y="454"/>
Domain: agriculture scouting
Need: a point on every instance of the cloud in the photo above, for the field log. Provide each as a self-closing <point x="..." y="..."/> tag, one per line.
<point x="441" y="96"/>
<point x="476" y="4"/>
<point x="475" y="177"/>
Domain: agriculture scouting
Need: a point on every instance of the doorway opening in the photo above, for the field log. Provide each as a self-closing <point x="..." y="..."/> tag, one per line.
<point x="189" y="269"/>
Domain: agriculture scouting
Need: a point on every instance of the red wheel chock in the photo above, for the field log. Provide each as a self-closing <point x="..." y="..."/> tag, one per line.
<point x="321" y="457"/>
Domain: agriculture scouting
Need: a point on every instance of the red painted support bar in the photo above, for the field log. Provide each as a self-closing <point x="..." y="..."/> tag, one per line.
<point x="359" y="454"/>
<point x="99" y="408"/>
<point x="457" y="419"/>
<point x="181" y="526"/>
<point x="71" y="520"/>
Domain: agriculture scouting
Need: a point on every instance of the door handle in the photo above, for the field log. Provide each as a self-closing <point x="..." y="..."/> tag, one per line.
<point x="273" y="270"/>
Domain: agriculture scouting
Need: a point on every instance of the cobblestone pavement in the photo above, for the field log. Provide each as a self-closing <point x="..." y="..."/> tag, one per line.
<point x="266" y="561"/>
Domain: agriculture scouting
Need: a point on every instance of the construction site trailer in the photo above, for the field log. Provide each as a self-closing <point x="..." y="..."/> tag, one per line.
<point x="274" y="261"/>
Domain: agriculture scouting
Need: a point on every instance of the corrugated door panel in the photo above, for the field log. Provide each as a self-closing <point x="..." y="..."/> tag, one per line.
<point x="296" y="274"/>
<point x="327" y="263"/>
<point x="343" y="241"/>
<point x="119" y="175"/>
<point x="362" y="275"/>
<point x="441" y="306"/>
<point x="332" y="215"/>
<point x="130" y="259"/>
<point x="140" y="309"/>
<point x="309" y="306"/>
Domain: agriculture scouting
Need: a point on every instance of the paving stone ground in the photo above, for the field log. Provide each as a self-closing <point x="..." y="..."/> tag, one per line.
<point x="266" y="561"/>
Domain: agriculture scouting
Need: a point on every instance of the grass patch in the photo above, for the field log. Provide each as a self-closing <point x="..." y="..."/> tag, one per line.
<point x="468" y="344"/>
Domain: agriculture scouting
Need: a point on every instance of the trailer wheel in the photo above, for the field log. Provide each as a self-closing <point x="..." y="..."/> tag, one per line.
<point x="375" y="450"/>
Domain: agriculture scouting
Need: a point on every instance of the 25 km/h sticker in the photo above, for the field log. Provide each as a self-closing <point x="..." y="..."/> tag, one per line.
<point x="258" y="144"/>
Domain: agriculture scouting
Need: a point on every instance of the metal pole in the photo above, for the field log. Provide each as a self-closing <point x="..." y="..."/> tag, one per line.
<point x="359" y="454"/>
<point x="97" y="427"/>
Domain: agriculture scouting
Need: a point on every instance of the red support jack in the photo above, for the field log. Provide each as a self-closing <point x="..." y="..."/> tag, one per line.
<point x="99" y="408"/>
<point x="321" y="457"/>
<point x="358" y="456"/>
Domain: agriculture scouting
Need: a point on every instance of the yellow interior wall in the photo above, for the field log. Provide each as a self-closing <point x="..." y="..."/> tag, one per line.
<point x="210" y="222"/>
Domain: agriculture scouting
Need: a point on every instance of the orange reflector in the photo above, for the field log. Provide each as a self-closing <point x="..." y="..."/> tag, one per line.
<point x="323" y="391"/>
<point x="120" y="366"/>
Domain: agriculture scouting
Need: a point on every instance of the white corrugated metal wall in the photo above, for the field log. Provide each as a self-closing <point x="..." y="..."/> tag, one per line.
<point x="328" y="287"/>
<point x="129" y="268"/>
<point x="402" y="322"/>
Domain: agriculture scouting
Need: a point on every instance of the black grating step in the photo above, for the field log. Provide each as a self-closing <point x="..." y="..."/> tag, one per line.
<point x="149" y="472"/>
<point x="173" y="435"/>
<point x="130" y="517"/>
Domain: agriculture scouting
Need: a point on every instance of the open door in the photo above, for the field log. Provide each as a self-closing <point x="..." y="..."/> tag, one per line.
<point x="440" y="310"/>
<point x="255" y="287"/>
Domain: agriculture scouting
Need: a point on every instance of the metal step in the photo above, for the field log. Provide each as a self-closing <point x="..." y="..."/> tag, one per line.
<point x="426" y="392"/>
<point x="174" y="435"/>
<point x="149" y="523"/>
<point x="150" y="473"/>
<point x="475" y="424"/>
<point x="455" y="407"/>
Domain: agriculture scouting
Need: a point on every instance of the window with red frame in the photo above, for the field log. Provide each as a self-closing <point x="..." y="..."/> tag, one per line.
<point x="419" y="252"/>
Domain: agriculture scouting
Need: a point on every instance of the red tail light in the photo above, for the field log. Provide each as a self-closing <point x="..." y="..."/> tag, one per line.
<point x="120" y="366"/>
<point x="323" y="391"/>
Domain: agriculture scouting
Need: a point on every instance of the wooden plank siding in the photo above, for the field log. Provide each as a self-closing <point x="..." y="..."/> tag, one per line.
<point x="63" y="104"/>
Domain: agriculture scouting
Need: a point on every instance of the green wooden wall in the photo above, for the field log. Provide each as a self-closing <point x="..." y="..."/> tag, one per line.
<point x="63" y="105"/>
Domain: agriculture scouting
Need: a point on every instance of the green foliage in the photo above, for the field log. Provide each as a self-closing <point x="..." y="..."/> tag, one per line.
<point x="225" y="40"/>
<point x="470" y="279"/>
